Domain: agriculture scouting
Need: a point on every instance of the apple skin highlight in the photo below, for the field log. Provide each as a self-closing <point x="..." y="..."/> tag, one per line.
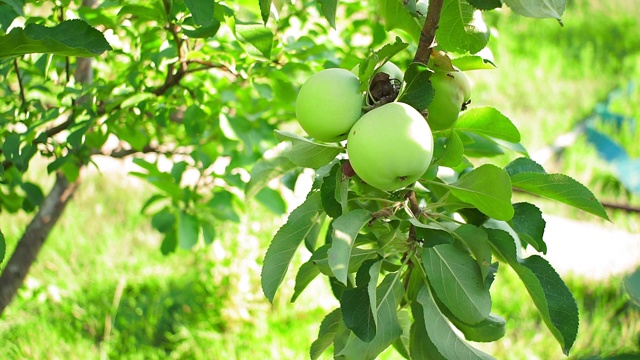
<point x="328" y="104"/>
<point x="390" y="147"/>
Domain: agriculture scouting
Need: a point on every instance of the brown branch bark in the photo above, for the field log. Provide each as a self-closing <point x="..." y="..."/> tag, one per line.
<point x="50" y="210"/>
<point x="428" y="33"/>
<point x="33" y="238"/>
<point x="173" y="78"/>
<point x="23" y="98"/>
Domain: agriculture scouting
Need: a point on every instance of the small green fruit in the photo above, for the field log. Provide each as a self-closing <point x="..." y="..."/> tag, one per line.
<point x="463" y="83"/>
<point x="328" y="104"/>
<point x="447" y="100"/>
<point x="390" y="147"/>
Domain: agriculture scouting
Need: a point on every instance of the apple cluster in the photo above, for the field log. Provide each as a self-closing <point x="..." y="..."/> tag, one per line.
<point x="391" y="146"/>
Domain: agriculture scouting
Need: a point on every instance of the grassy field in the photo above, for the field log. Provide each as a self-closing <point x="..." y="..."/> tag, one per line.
<point x="104" y="291"/>
<point x="101" y="289"/>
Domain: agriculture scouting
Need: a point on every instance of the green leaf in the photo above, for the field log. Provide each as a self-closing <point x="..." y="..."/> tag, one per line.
<point x="149" y="11"/>
<point x="328" y="188"/>
<point x="169" y="243"/>
<point x="431" y="235"/>
<point x="69" y="38"/>
<point x="537" y="8"/>
<point x="396" y="16"/>
<point x="286" y="241"/>
<point x="563" y="309"/>
<point x="204" y="32"/>
<point x="421" y="346"/>
<point x="16" y="5"/>
<point x="631" y="285"/>
<point x="402" y="344"/>
<point x="311" y="240"/>
<point x="321" y="258"/>
<point x="448" y="151"/>
<point x="328" y="329"/>
<point x="388" y="294"/>
<point x="344" y="230"/>
<point x="418" y="91"/>
<point x="307" y="153"/>
<point x="259" y="36"/>
<point x="457" y="281"/>
<point x="528" y="223"/>
<point x="440" y="332"/>
<point x="359" y="310"/>
<point x="307" y="272"/>
<point x="265" y="10"/>
<point x="477" y="145"/>
<point x="221" y="206"/>
<point x="487" y="188"/>
<point x="478" y="242"/>
<point x="329" y="9"/>
<point x="208" y="232"/>
<point x="523" y="165"/>
<point x="188" y="230"/>
<point x="550" y="295"/>
<point x="163" y="221"/>
<point x="490" y="329"/>
<point x="486" y="4"/>
<point x="459" y="30"/>
<point x="558" y="187"/>
<point x="3" y="247"/>
<point x="473" y="62"/>
<point x="264" y="171"/>
<point x="33" y="192"/>
<point x="272" y="200"/>
<point x="202" y="11"/>
<point x="489" y="122"/>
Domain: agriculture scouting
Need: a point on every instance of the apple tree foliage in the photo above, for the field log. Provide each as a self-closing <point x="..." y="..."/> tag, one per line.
<point x="206" y="84"/>
<point x="413" y="268"/>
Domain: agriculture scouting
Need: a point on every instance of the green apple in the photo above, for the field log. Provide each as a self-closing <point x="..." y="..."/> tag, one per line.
<point x="463" y="83"/>
<point x="447" y="100"/>
<point x="328" y="104"/>
<point x="390" y="147"/>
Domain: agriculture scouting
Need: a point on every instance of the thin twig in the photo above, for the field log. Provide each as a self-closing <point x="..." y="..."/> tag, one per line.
<point x="173" y="78"/>
<point x="428" y="33"/>
<point x="20" y="84"/>
<point x="210" y="65"/>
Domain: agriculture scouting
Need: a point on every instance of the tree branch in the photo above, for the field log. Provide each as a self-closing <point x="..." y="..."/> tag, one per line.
<point x="33" y="238"/>
<point x="210" y="65"/>
<point x="428" y="33"/>
<point x="173" y="78"/>
<point x="23" y="98"/>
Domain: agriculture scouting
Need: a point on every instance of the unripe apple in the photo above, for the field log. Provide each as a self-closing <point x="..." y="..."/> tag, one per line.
<point x="463" y="83"/>
<point x="447" y="99"/>
<point x="328" y="104"/>
<point x="390" y="147"/>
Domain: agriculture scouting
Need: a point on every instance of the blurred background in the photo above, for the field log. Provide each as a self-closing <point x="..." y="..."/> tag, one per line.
<point x="102" y="289"/>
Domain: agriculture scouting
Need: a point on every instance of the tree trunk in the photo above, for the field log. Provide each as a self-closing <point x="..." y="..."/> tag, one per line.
<point x="51" y="209"/>
<point x="33" y="238"/>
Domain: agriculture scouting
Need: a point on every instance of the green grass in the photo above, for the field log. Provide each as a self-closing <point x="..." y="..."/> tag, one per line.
<point x="101" y="289"/>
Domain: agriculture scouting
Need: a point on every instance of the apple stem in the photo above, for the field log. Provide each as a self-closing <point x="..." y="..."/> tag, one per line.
<point x="428" y="33"/>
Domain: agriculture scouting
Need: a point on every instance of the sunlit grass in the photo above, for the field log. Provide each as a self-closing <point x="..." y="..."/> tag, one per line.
<point x="105" y="290"/>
